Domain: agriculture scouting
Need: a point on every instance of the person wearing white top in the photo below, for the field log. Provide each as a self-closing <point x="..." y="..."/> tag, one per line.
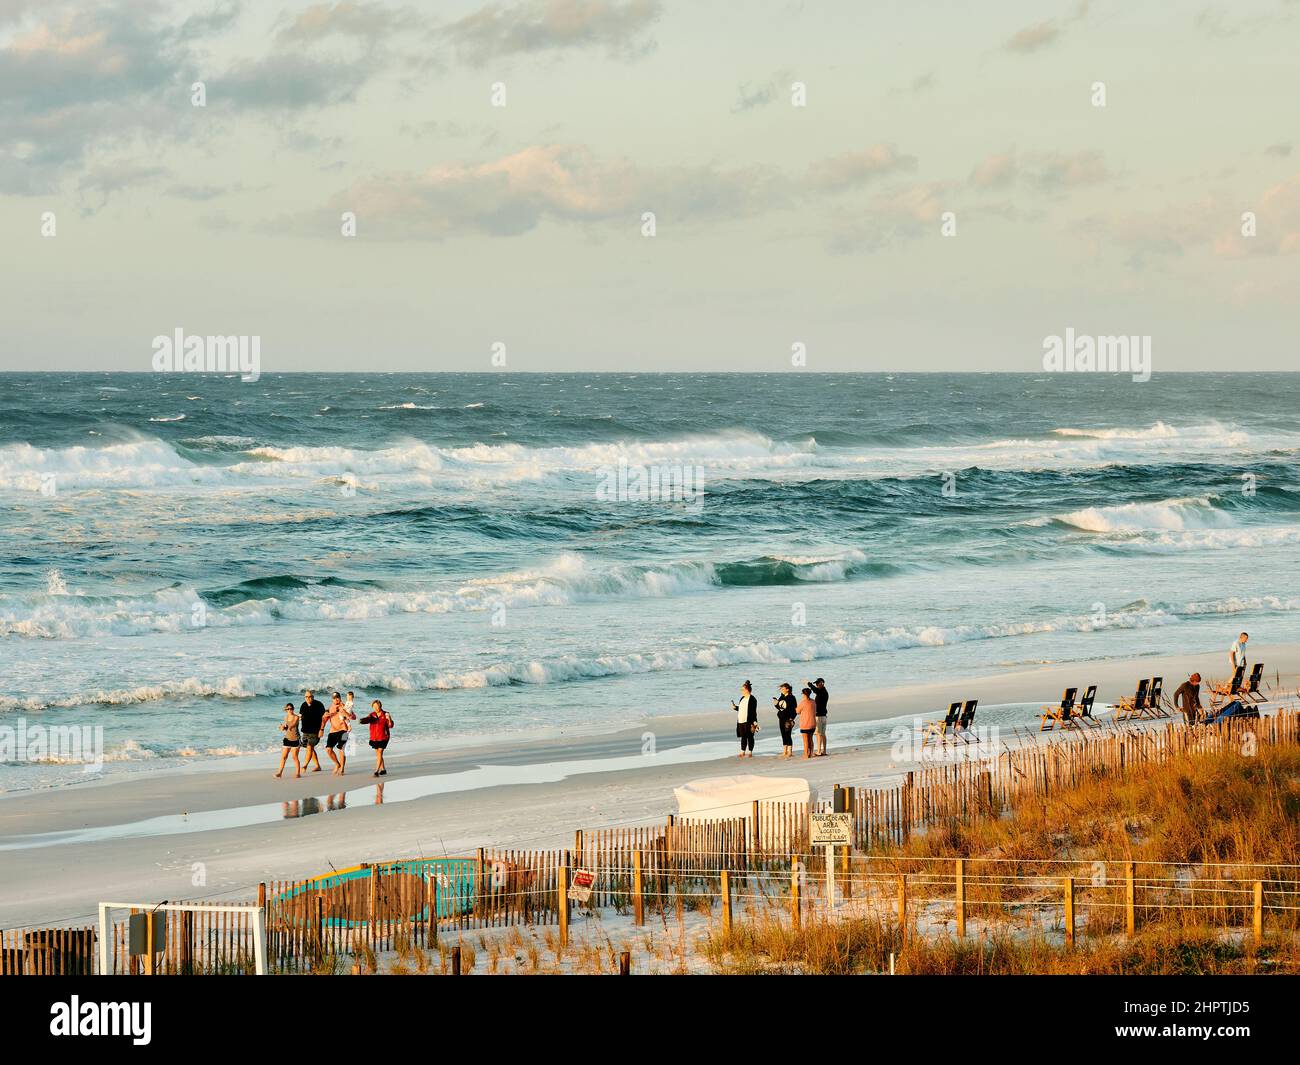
<point x="1237" y="652"/>
<point x="746" y="719"/>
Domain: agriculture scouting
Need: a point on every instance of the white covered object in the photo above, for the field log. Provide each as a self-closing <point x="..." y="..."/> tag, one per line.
<point x="726" y="797"/>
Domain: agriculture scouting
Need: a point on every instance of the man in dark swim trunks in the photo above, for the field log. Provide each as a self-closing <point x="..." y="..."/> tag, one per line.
<point x="310" y="716"/>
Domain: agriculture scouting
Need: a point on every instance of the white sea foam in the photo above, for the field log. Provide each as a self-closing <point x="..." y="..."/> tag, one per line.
<point x="1172" y="515"/>
<point x="574" y="667"/>
<point x="149" y="462"/>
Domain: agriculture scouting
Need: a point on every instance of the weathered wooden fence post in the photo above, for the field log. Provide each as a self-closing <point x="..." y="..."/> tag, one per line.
<point x="1130" y="900"/>
<point x="455" y="960"/>
<point x="795" y="915"/>
<point x="906" y="827"/>
<point x="435" y="913"/>
<point x="961" y="896"/>
<point x="562" y="883"/>
<point x="625" y="963"/>
<point x="638" y="895"/>
<point x="1069" y="911"/>
<point x="902" y="906"/>
<point x="1258" y="923"/>
<point x="724" y="889"/>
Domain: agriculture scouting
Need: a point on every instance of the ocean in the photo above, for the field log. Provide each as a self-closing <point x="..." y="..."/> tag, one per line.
<point x="496" y="554"/>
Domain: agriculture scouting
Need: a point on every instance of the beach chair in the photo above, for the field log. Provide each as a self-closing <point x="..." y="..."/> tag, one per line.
<point x="1224" y="693"/>
<point x="1132" y="707"/>
<point x="1155" y="704"/>
<point x="939" y="729"/>
<point x="967" y="717"/>
<point x="1083" y="712"/>
<point x="1059" y="715"/>
<point x="1251" y="690"/>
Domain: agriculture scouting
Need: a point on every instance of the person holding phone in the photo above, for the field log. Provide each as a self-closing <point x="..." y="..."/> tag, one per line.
<point x="746" y="719"/>
<point x="785" y="715"/>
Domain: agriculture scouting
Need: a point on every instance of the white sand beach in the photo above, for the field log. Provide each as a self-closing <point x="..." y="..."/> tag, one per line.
<point x="205" y="832"/>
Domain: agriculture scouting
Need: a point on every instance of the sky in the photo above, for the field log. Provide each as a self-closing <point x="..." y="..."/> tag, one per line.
<point x="892" y="185"/>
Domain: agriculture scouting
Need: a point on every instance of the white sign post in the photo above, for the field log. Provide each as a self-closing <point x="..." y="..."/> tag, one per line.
<point x="830" y="831"/>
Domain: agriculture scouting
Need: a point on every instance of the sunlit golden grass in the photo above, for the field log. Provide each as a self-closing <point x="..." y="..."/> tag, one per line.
<point x="1219" y="820"/>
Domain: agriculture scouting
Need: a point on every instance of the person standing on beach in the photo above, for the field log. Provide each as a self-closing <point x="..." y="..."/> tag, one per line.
<point x="289" y="726"/>
<point x="1237" y="652"/>
<point x="746" y="719"/>
<point x="807" y="711"/>
<point x="820" y="698"/>
<point x="335" y="745"/>
<point x="381" y="729"/>
<point x="1188" y="698"/>
<point x="785" y="714"/>
<point x="310" y="716"/>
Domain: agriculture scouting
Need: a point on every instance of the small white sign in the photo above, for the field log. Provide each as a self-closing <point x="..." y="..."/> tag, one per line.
<point x="831" y="830"/>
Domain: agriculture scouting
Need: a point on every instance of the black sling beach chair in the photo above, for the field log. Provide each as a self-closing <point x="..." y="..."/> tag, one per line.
<point x="1132" y="706"/>
<point x="1059" y="715"/>
<point x="1252" y="691"/>
<point x="1084" y="709"/>
<point x="939" y="729"/>
<point x="1223" y="693"/>
<point x="967" y="717"/>
<point x="1155" y="704"/>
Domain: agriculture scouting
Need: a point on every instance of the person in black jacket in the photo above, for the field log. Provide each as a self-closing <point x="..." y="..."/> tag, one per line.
<point x="785" y="704"/>
<point x="746" y="719"/>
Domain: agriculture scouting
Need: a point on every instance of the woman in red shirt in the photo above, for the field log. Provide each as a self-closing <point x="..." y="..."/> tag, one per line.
<point x="381" y="728"/>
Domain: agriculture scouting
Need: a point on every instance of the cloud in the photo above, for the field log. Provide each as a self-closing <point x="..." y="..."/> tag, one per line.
<point x="1281" y="150"/>
<point x="1042" y="34"/>
<point x="1277" y="222"/>
<point x="75" y="78"/>
<point x="892" y="217"/>
<point x="289" y="81"/>
<point x="368" y="22"/>
<point x="618" y="26"/>
<point x="107" y="179"/>
<point x="518" y="192"/>
<point x="750" y="98"/>
<point x="1209" y="225"/>
<point x="1221" y="23"/>
<point x="997" y="171"/>
<point x="853" y="169"/>
<point x="1054" y="171"/>
<point x="1032" y="38"/>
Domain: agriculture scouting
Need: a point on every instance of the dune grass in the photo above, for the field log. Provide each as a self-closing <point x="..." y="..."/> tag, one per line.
<point x="1218" y="820"/>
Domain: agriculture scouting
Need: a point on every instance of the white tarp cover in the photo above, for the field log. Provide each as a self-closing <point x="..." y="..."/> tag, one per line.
<point x="724" y="797"/>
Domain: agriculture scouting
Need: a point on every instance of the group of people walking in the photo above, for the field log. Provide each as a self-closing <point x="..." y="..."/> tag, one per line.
<point x="304" y="727"/>
<point x="808" y="712"/>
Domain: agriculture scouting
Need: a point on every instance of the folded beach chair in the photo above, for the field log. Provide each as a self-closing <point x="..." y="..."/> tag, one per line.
<point x="1059" y="715"/>
<point x="967" y="717"/>
<point x="1083" y="712"/>
<point x="939" y="729"/>
<point x="1251" y="690"/>
<point x="1132" y="707"/>
<point x="1224" y="693"/>
<point x="1155" y="704"/>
